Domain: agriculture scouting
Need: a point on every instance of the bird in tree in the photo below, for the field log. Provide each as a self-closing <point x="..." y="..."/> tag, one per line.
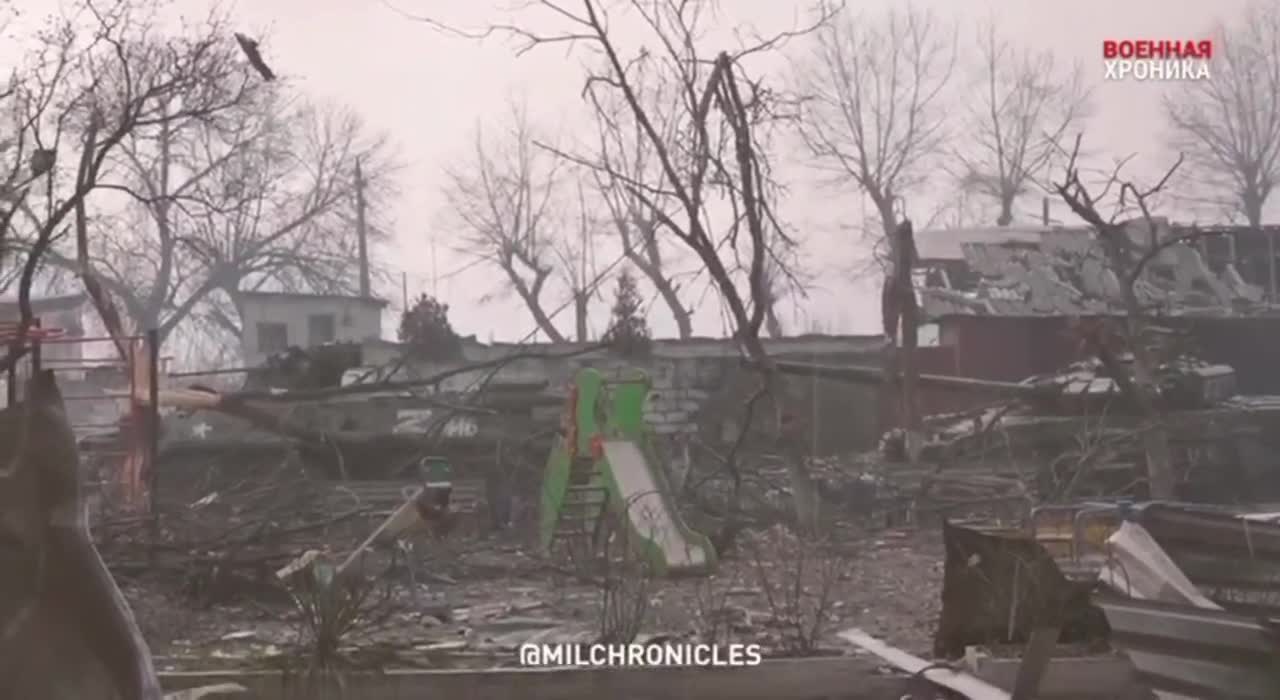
<point x="250" y="49"/>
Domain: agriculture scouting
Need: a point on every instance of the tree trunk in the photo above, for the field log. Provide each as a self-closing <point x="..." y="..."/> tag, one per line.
<point x="905" y="289"/>
<point x="1006" y="212"/>
<point x="580" y="308"/>
<point x="1252" y="203"/>
<point x="666" y="290"/>
<point x="1140" y="387"/>
<point x="531" y="301"/>
<point x="889" y="223"/>
<point x="773" y="325"/>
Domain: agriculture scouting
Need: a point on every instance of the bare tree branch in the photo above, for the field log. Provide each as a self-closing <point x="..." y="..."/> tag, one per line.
<point x="632" y="154"/>
<point x="1229" y="127"/>
<point x="1027" y="104"/>
<point x="1126" y="261"/>
<point x="502" y="200"/>
<point x="872" y="102"/>
<point x="710" y="186"/>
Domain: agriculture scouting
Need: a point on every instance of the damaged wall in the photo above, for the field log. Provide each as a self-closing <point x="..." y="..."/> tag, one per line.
<point x="1012" y="348"/>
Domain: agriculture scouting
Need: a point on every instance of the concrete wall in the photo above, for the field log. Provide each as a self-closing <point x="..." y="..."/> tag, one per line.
<point x="355" y="319"/>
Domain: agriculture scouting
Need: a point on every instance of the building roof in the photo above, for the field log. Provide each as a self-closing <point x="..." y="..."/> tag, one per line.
<point x="936" y="245"/>
<point x="308" y="295"/>
<point x="1061" y="272"/>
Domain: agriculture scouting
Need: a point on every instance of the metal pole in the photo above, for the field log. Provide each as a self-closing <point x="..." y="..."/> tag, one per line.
<point x="35" y="349"/>
<point x="153" y="419"/>
<point x="362" y="233"/>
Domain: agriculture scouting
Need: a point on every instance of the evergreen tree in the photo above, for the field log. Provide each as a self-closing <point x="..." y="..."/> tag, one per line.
<point x="628" y="331"/>
<point x="425" y="330"/>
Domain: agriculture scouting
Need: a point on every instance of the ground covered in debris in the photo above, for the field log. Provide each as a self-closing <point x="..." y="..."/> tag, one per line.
<point x="476" y="599"/>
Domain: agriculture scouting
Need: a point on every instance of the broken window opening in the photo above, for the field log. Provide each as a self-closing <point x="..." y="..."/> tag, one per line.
<point x="272" y="337"/>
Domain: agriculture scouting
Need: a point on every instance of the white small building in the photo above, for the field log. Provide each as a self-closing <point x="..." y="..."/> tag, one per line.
<point x="64" y="314"/>
<point x="274" y="321"/>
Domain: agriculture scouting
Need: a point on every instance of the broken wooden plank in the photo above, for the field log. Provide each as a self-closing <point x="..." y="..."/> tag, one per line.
<point x="963" y="683"/>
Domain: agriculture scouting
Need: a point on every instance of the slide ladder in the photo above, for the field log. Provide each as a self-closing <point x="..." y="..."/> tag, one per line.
<point x="602" y="471"/>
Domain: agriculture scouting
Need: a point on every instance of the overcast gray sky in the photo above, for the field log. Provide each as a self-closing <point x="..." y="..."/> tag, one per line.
<point x="427" y="90"/>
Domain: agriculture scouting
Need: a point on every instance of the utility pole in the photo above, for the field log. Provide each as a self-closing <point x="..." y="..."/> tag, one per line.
<point x="362" y="232"/>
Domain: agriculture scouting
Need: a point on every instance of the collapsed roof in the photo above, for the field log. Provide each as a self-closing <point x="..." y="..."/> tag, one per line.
<point x="1064" y="272"/>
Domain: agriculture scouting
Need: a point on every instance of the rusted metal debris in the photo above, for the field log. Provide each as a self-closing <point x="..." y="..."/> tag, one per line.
<point x="1195" y="652"/>
<point x="1234" y="559"/>
<point x="426" y="507"/>
<point x="1179" y="640"/>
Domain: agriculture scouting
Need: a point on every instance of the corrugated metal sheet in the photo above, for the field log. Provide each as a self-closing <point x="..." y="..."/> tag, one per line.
<point x="1196" y="653"/>
<point x="1232" y="560"/>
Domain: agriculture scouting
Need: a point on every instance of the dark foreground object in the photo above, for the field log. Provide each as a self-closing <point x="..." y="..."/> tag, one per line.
<point x="66" y="632"/>
<point x="999" y="586"/>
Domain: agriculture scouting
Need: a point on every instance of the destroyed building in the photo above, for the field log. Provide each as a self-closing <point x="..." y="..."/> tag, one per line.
<point x="1002" y="299"/>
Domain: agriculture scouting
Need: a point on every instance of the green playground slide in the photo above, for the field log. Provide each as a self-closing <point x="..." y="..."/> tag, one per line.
<point x="615" y="457"/>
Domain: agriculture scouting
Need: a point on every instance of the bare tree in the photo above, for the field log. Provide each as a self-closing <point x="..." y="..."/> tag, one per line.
<point x="872" y="95"/>
<point x="503" y="200"/>
<point x="712" y="161"/>
<point x="1027" y="102"/>
<point x="1126" y="258"/>
<point x="255" y="195"/>
<point x="261" y="201"/>
<point x="1229" y="127"/>
<point x="284" y="212"/>
<point x="575" y="250"/>
<point x="636" y="222"/>
<point x="99" y="76"/>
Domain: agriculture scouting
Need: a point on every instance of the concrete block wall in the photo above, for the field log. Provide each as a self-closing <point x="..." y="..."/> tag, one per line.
<point x="680" y="388"/>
